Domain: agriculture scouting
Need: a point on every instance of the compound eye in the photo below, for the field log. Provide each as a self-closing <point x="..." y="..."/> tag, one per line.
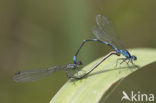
<point x="134" y="57"/>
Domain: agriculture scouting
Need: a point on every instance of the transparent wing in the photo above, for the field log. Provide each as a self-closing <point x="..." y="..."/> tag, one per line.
<point x="31" y="75"/>
<point x="104" y="32"/>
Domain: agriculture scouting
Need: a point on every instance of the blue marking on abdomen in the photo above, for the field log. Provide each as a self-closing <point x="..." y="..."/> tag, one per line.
<point x="84" y="40"/>
<point x="105" y="42"/>
<point x="95" y="39"/>
<point x="74" y="59"/>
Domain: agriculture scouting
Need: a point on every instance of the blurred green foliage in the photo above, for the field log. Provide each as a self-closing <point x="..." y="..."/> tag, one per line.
<point x="36" y="34"/>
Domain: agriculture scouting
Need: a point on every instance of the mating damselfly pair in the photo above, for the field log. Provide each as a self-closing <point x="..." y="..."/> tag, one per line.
<point x="104" y="34"/>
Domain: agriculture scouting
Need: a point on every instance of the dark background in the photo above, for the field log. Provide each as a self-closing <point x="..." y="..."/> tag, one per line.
<point x="36" y="34"/>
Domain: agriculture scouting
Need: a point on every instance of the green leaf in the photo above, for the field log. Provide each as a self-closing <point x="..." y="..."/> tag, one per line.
<point x="93" y="87"/>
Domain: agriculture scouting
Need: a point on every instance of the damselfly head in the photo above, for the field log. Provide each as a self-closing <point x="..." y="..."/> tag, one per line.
<point x="75" y="65"/>
<point x="134" y="57"/>
<point x="79" y="63"/>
